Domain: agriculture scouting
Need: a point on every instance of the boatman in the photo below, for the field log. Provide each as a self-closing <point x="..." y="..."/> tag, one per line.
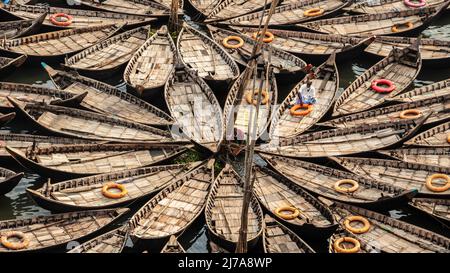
<point x="307" y="92"/>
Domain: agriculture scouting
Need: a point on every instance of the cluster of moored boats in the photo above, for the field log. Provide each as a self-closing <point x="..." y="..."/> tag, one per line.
<point x="384" y="142"/>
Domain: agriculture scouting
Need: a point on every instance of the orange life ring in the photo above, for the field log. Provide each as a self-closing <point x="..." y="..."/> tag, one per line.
<point x="356" y="218"/>
<point x="395" y="28"/>
<point x="448" y="138"/>
<point x="339" y="249"/>
<point x="226" y="43"/>
<point x="294" y="213"/>
<point x="376" y="86"/>
<point x="296" y="113"/>
<point x="313" y="12"/>
<point x="24" y="241"/>
<point x="112" y="195"/>
<point x="250" y="100"/>
<point x="268" y="36"/>
<point x="410" y="114"/>
<point x="65" y="23"/>
<point x="431" y="178"/>
<point x="338" y="188"/>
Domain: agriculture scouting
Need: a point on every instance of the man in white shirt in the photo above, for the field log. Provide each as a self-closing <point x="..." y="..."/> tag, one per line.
<point x="306" y="94"/>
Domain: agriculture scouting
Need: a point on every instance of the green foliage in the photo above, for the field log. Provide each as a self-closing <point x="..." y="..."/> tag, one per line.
<point x="188" y="156"/>
<point x="218" y="166"/>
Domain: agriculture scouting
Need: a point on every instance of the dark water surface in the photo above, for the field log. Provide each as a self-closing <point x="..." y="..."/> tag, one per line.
<point x="18" y="204"/>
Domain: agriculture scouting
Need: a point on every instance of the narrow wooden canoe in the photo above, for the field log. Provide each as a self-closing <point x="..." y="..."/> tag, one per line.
<point x="173" y="246"/>
<point x="279" y="239"/>
<point x="8" y="180"/>
<point x="403" y="23"/>
<point x="321" y="180"/>
<point x="69" y="122"/>
<point x="238" y="111"/>
<point x="434" y="52"/>
<point x="151" y="65"/>
<point x="429" y="156"/>
<point x="401" y="67"/>
<point x="438" y="208"/>
<point x="205" y="56"/>
<point x="78" y="160"/>
<point x="19" y="28"/>
<point x="107" y="99"/>
<point x="274" y="191"/>
<point x="8" y="65"/>
<point x="110" y="242"/>
<point x="133" y="7"/>
<point x="402" y="174"/>
<point x="345" y="141"/>
<point x="389" y="235"/>
<point x="57" y="230"/>
<point x="105" y="58"/>
<point x="438" y="107"/>
<point x="175" y="208"/>
<point x="81" y="18"/>
<point x="438" y="136"/>
<point x="314" y="46"/>
<point x="227" y="9"/>
<point x="194" y="107"/>
<point x="291" y="13"/>
<point x="32" y="93"/>
<point x="381" y="6"/>
<point x="204" y="7"/>
<point x="326" y="83"/>
<point x="6" y="118"/>
<point x="56" y="45"/>
<point x="224" y="210"/>
<point x="428" y="91"/>
<point x="282" y="62"/>
<point x="86" y="193"/>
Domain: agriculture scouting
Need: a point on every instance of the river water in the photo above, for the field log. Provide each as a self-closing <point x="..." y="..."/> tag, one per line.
<point x="17" y="203"/>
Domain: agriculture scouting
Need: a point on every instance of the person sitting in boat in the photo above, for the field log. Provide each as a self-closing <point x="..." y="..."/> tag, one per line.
<point x="307" y="92"/>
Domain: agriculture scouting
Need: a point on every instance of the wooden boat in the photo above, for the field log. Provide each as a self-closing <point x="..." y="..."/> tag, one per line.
<point x="363" y="7"/>
<point x="69" y="122"/>
<point x="80" y="18"/>
<point x="402" y="174"/>
<point x="110" y="242"/>
<point x="55" y="45"/>
<point x="401" y="68"/>
<point x="434" y="52"/>
<point x="151" y="65"/>
<point x="204" y="7"/>
<point x="437" y="208"/>
<point x="326" y="83"/>
<point x="239" y="109"/>
<point x="224" y="210"/>
<point x="168" y="3"/>
<point x="428" y="91"/>
<point x="33" y="93"/>
<point x="173" y="246"/>
<point x="438" y="107"/>
<point x="107" y="99"/>
<point x="212" y="63"/>
<point x="133" y="7"/>
<point x="274" y="192"/>
<point x="19" y="28"/>
<point x="6" y="118"/>
<point x="279" y="239"/>
<point x="387" y="234"/>
<point x="282" y="62"/>
<point x="403" y="23"/>
<point x="314" y="46"/>
<point x="8" y="180"/>
<point x="8" y="65"/>
<point x="57" y="230"/>
<point x="321" y="180"/>
<point x="175" y="208"/>
<point x="429" y="156"/>
<point x="105" y="58"/>
<point x="227" y="9"/>
<point x="78" y="160"/>
<point x="291" y="13"/>
<point x="344" y="141"/>
<point x="87" y="193"/>
<point x="194" y="107"/>
<point x="438" y="136"/>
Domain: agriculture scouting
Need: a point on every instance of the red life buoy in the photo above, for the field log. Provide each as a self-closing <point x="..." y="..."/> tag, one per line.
<point x="418" y="4"/>
<point x="61" y="23"/>
<point x="376" y="86"/>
